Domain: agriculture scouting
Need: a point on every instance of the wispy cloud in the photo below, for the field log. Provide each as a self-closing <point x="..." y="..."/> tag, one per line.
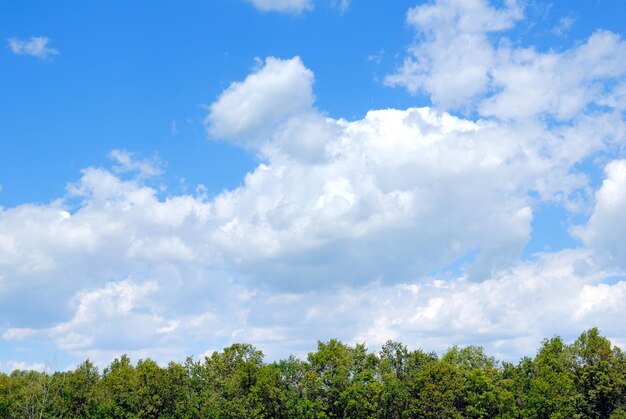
<point x="287" y="6"/>
<point x="564" y="26"/>
<point x="36" y="46"/>
<point x="125" y="162"/>
<point x="296" y="6"/>
<point x="342" y="5"/>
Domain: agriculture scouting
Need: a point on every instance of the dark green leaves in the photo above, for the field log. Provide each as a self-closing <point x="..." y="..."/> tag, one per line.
<point x="585" y="379"/>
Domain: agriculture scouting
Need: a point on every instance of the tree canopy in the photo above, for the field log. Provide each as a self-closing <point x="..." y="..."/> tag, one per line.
<point x="584" y="379"/>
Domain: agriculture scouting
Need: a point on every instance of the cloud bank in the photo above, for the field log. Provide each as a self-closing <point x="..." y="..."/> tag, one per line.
<point x="406" y="224"/>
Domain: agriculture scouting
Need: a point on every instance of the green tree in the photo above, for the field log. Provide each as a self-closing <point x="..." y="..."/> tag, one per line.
<point x="394" y="372"/>
<point x="483" y="394"/>
<point x="77" y="391"/>
<point x="6" y="396"/>
<point x="599" y="375"/>
<point x="118" y="395"/>
<point x="549" y="383"/>
<point x="179" y="395"/>
<point x="33" y="394"/>
<point x="301" y="387"/>
<point x="152" y="390"/>
<point x="231" y="375"/>
<point x="436" y="392"/>
<point x="268" y="394"/>
<point x="363" y="396"/>
<point x="329" y="377"/>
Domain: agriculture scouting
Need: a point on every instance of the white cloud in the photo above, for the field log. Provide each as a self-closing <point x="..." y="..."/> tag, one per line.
<point x="457" y="64"/>
<point x="342" y="5"/>
<point x="17" y="334"/>
<point x="393" y="195"/>
<point x="289" y="6"/>
<point x="117" y="312"/>
<point x="606" y="230"/>
<point x="564" y="25"/>
<point x="558" y="293"/>
<point x="452" y="59"/>
<point x="10" y="366"/>
<point x="352" y="234"/>
<point x="509" y="314"/>
<point x="615" y="98"/>
<point x="119" y="228"/>
<point x="247" y="111"/>
<point x="405" y="224"/>
<point x="36" y="46"/>
<point x="557" y="84"/>
<point x="125" y="162"/>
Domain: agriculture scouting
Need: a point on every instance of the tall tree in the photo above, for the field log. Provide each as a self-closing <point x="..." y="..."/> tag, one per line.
<point x="599" y="374"/>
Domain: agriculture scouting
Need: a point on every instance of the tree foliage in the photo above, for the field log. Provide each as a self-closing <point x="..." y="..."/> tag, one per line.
<point x="584" y="379"/>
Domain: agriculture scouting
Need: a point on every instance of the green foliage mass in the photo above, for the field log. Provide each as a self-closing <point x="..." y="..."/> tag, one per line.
<point x="585" y="379"/>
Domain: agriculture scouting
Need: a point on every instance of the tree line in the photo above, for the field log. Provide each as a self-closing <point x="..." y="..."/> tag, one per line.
<point x="584" y="379"/>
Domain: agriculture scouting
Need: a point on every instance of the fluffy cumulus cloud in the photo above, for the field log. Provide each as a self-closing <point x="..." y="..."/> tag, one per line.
<point x="36" y="46"/>
<point x="130" y="271"/>
<point x="556" y="84"/>
<point x="289" y="6"/>
<point x="248" y="110"/>
<point x="406" y="224"/>
<point x="453" y="57"/>
<point x="607" y="226"/>
<point x="394" y="195"/>
<point x="456" y="62"/>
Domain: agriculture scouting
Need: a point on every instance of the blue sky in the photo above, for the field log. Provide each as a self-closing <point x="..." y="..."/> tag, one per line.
<point x="282" y="171"/>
